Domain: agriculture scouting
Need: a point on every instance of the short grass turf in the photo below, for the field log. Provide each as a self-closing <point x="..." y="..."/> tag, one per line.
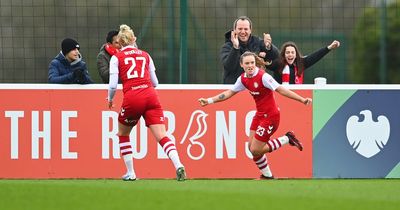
<point x="200" y="194"/>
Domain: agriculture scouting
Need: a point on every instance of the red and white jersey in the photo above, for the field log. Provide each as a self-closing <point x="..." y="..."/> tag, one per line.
<point x="134" y="68"/>
<point x="261" y="86"/>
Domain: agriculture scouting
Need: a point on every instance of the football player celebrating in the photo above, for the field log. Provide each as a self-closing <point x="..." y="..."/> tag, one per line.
<point x="266" y="120"/>
<point x="136" y="70"/>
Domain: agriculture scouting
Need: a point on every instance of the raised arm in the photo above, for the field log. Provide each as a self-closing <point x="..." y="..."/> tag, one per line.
<point x="317" y="55"/>
<point x="268" y="50"/>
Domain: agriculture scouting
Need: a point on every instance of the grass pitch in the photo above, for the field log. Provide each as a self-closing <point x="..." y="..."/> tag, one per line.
<point x="200" y="194"/>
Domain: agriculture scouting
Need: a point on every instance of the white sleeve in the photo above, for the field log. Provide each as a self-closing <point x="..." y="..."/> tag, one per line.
<point x="238" y="86"/>
<point x="152" y="69"/>
<point x="114" y="65"/>
<point x="269" y="82"/>
<point x="113" y="83"/>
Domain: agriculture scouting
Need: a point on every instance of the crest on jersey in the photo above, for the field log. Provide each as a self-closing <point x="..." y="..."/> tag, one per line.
<point x="255" y="84"/>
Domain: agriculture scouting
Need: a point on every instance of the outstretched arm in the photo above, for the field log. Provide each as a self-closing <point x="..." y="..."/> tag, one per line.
<point x="292" y="95"/>
<point x="271" y="52"/>
<point x="335" y="44"/>
<point x="220" y="97"/>
<point x="317" y="55"/>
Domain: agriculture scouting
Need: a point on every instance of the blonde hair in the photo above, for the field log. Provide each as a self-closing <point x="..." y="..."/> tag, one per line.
<point x="126" y="36"/>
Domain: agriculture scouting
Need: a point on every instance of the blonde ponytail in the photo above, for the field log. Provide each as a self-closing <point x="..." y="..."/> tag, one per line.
<point x="126" y="36"/>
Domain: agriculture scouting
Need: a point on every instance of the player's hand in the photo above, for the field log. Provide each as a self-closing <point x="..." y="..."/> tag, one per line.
<point x="235" y="40"/>
<point x="307" y="101"/>
<point x="267" y="41"/>
<point x="110" y="105"/>
<point x="203" y="101"/>
<point x="334" y="44"/>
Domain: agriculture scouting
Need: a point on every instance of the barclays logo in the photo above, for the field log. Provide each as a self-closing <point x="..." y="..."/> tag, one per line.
<point x="368" y="137"/>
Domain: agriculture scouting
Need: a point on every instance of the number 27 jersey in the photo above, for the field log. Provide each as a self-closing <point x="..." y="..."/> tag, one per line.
<point x="134" y="67"/>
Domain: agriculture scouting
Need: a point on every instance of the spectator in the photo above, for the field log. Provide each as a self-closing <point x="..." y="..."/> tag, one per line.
<point x="110" y="48"/>
<point x="289" y="67"/>
<point x="68" y="67"/>
<point x="240" y="40"/>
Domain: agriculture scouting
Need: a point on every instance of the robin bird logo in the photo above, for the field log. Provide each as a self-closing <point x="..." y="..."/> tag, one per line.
<point x="201" y="126"/>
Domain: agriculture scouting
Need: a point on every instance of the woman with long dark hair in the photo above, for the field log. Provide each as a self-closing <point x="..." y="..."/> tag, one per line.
<point x="290" y="66"/>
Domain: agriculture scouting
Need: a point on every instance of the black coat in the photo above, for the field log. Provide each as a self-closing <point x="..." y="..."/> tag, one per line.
<point x="230" y="57"/>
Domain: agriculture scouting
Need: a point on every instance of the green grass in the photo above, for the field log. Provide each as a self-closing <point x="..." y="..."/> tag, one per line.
<point x="200" y="194"/>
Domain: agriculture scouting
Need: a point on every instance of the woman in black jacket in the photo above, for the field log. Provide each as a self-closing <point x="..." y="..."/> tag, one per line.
<point x="289" y="67"/>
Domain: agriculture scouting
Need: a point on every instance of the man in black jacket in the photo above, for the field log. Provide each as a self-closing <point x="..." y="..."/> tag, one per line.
<point x="240" y="40"/>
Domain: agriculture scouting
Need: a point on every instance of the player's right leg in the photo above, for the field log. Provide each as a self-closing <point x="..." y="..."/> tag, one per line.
<point x="131" y="110"/>
<point x="259" y="158"/>
<point x="126" y="151"/>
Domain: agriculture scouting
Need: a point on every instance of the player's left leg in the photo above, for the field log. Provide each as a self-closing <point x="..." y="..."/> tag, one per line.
<point x="294" y="141"/>
<point x="155" y="121"/>
<point x="158" y="130"/>
<point x="274" y="144"/>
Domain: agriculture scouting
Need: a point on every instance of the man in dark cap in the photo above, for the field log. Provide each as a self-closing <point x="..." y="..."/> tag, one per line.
<point x="68" y="67"/>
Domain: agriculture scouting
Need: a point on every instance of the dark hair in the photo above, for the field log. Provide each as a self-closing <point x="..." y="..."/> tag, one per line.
<point x="260" y="63"/>
<point x="241" y="18"/>
<point x="299" y="61"/>
<point x="110" y="35"/>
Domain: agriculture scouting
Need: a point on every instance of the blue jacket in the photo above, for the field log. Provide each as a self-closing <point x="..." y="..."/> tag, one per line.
<point x="62" y="72"/>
